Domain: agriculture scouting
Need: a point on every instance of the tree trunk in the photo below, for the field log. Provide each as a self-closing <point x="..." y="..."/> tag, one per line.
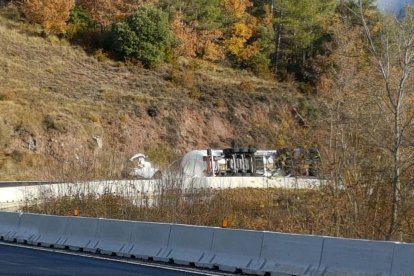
<point x="396" y="183"/>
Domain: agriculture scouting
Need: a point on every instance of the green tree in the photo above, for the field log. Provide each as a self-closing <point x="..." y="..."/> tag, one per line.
<point x="145" y="35"/>
<point x="298" y="26"/>
<point x="207" y="13"/>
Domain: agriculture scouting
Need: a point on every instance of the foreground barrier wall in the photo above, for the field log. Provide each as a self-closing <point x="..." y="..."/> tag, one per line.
<point x="79" y="234"/>
<point x="9" y="223"/>
<point x="342" y="256"/>
<point x="290" y="254"/>
<point x="148" y="240"/>
<point x="235" y="249"/>
<point x="189" y="245"/>
<point x="403" y="261"/>
<point x="231" y="250"/>
<point x="51" y="231"/>
<point x="112" y="236"/>
<point x="28" y="230"/>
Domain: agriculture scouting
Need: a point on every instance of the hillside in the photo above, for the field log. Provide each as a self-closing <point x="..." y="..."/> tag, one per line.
<point x="62" y="109"/>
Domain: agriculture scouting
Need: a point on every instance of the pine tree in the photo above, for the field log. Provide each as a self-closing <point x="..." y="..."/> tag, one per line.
<point x="298" y="25"/>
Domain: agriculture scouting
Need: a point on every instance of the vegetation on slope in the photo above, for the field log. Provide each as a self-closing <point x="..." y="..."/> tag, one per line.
<point x="337" y="76"/>
<point x="64" y="111"/>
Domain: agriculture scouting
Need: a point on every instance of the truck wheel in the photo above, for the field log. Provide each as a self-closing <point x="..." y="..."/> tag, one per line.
<point x="227" y="152"/>
<point x="252" y="150"/>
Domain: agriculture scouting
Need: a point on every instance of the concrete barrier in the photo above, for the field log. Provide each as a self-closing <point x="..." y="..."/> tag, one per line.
<point x="79" y="235"/>
<point x="234" y="249"/>
<point x="9" y="222"/>
<point x="226" y="249"/>
<point x="112" y="236"/>
<point x="356" y="257"/>
<point x="29" y="228"/>
<point x="51" y="231"/>
<point x="288" y="254"/>
<point x="148" y="240"/>
<point x="403" y="259"/>
<point x="188" y="245"/>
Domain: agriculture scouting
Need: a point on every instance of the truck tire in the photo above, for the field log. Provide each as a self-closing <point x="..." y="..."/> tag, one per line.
<point x="252" y="150"/>
<point x="227" y="152"/>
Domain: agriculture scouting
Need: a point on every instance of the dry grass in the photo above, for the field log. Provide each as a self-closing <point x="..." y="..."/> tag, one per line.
<point x="65" y="97"/>
<point x="290" y="211"/>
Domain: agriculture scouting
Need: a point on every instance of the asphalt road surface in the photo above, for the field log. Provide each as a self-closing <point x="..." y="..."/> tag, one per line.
<point x="15" y="260"/>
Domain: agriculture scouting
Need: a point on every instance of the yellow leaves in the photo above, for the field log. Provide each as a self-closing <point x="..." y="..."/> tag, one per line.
<point x="237" y="8"/>
<point x="234" y="45"/>
<point x="237" y="43"/>
<point x="241" y="30"/>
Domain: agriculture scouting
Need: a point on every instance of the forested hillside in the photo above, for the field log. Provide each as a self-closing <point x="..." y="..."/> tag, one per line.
<point x="84" y="84"/>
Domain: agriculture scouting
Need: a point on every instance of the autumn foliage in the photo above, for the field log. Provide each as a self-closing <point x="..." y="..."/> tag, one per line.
<point x="52" y="15"/>
<point x="187" y="37"/>
<point x="106" y="12"/>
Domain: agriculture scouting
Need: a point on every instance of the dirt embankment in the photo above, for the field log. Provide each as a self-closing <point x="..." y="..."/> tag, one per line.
<point x="60" y="107"/>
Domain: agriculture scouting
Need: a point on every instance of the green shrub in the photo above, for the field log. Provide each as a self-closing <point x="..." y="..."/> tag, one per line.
<point x="145" y="35"/>
<point x="78" y="23"/>
<point x="259" y="64"/>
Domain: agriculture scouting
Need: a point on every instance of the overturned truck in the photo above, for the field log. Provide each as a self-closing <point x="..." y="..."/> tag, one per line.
<point x="251" y="162"/>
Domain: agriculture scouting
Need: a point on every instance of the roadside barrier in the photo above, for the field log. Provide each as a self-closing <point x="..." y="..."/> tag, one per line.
<point x="234" y="249"/>
<point x="28" y="230"/>
<point x="188" y="245"/>
<point x="51" y="230"/>
<point x="344" y="256"/>
<point x="9" y="223"/>
<point x="79" y="235"/>
<point x="403" y="259"/>
<point x="288" y="253"/>
<point x="112" y="236"/>
<point x="148" y="240"/>
<point x="229" y="250"/>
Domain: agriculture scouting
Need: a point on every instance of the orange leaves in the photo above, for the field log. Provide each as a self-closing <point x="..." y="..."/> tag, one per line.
<point x="105" y="12"/>
<point x="50" y="14"/>
<point x="208" y="46"/>
<point x="237" y="8"/>
<point x="187" y="37"/>
<point x="193" y="42"/>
